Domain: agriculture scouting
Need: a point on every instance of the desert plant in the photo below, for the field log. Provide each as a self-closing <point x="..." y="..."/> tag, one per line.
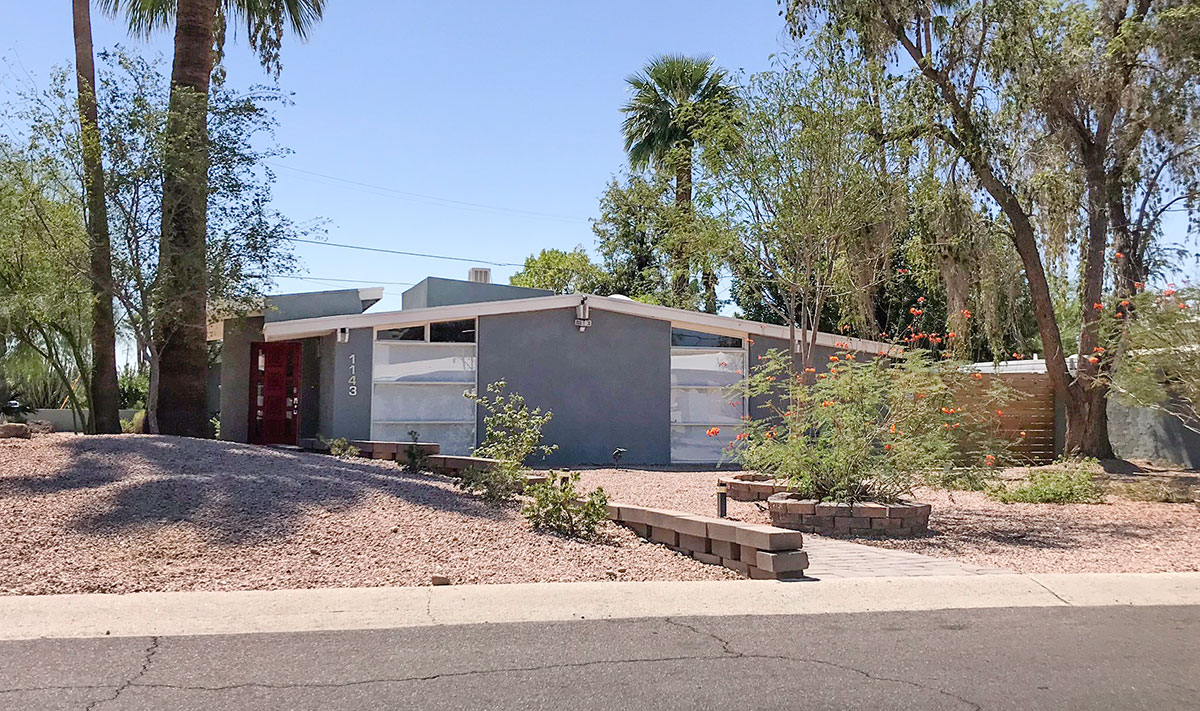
<point x="1159" y="491"/>
<point x="866" y="431"/>
<point x="341" y="448"/>
<point x="418" y="460"/>
<point x="556" y="505"/>
<point x="135" y="424"/>
<point x="1069" y="482"/>
<point x="512" y="431"/>
<point x="496" y="483"/>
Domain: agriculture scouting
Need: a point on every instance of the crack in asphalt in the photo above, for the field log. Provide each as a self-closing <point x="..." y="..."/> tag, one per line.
<point x="727" y="652"/>
<point x="148" y="657"/>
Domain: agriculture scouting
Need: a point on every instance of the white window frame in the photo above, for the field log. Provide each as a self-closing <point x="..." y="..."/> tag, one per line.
<point x="471" y="384"/>
<point x="745" y="350"/>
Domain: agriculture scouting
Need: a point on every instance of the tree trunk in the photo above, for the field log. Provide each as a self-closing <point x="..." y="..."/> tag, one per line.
<point x="709" y="277"/>
<point x="182" y="328"/>
<point x="1087" y="424"/>
<point x="683" y="201"/>
<point x="104" y="394"/>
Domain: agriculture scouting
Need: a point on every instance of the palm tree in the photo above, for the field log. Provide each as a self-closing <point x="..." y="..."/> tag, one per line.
<point x="103" y="396"/>
<point x="672" y="97"/>
<point x="182" y="311"/>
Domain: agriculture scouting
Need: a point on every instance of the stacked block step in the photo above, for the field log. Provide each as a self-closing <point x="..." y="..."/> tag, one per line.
<point x="864" y="519"/>
<point x="434" y="460"/>
<point x="753" y="550"/>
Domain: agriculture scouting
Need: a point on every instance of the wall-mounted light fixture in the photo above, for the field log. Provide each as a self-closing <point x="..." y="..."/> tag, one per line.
<point x="583" y="315"/>
<point x="343" y="335"/>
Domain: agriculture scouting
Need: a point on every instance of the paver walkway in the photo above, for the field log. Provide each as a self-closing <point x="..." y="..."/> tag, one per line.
<point x="833" y="558"/>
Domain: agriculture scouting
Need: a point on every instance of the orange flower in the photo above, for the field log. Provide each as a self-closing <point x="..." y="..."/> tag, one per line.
<point x="713" y="431"/>
<point x="966" y="313"/>
<point x="1139" y="285"/>
<point x="920" y="299"/>
<point x="1125" y="302"/>
<point x="952" y="334"/>
<point x="810" y="370"/>
<point x="1093" y="360"/>
<point x="1098" y="306"/>
<point x="887" y="447"/>
<point x="1118" y="255"/>
<point x="833" y="359"/>
<point x="999" y="413"/>
<point x="1119" y="315"/>
<point x="1184" y="306"/>
<point x="977" y="376"/>
<point x="750" y="341"/>
<point x="1022" y="433"/>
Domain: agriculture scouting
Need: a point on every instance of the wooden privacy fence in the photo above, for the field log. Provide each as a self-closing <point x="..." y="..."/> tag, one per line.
<point x="1031" y="412"/>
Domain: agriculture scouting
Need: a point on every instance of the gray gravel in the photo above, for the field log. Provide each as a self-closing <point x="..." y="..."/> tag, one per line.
<point x="131" y="513"/>
<point x="1118" y="536"/>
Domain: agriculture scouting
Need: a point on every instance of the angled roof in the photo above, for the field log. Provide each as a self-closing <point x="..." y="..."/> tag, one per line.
<point x="680" y="318"/>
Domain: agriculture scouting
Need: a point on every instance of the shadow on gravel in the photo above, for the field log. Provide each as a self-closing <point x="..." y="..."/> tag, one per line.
<point x="240" y="494"/>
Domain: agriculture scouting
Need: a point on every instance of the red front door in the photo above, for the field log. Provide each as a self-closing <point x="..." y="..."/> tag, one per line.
<point x="274" y="393"/>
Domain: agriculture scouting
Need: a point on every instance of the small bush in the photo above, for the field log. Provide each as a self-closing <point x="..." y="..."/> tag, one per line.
<point x="135" y="424"/>
<point x="416" y="460"/>
<point x="557" y="506"/>
<point x="512" y="434"/>
<point x="499" y="483"/>
<point x="341" y="448"/>
<point x="1072" y="483"/>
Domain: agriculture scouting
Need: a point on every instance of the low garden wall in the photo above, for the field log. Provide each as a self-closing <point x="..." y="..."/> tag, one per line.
<point x="751" y="487"/>
<point x="865" y="519"/>
<point x="753" y="550"/>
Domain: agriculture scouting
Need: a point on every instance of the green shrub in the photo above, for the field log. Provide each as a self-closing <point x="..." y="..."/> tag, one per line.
<point x="512" y="431"/>
<point x="133" y="388"/>
<point x="867" y="431"/>
<point x="499" y="483"/>
<point x="1070" y="483"/>
<point x="555" y="505"/>
<point x="512" y="434"/>
<point x="341" y="448"/>
<point x="1159" y="491"/>
<point x="135" y="424"/>
<point x="417" y="459"/>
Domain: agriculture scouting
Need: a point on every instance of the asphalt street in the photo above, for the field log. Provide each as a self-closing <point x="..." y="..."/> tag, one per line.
<point x="998" y="658"/>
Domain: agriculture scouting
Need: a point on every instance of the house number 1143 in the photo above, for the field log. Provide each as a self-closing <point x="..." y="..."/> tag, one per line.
<point x="352" y="383"/>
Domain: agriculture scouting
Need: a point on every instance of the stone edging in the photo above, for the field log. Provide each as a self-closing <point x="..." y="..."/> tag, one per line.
<point x="753" y="550"/>
<point x="751" y="487"/>
<point x="865" y="519"/>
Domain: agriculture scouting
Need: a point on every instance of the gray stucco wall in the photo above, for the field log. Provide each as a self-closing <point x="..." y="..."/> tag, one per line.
<point x="608" y="387"/>
<point x="1144" y="433"/>
<point x="343" y="414"/>
<point x="239" y="333"/>
<point x="435" y="291"/>
<point x="761" y="345"/>
<point x="286" y="307"/>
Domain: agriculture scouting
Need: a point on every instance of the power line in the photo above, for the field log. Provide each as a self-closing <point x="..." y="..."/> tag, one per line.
<point x="445" y="202"/>
<point x="403" y="254"/>
<point x="347" y="281"/>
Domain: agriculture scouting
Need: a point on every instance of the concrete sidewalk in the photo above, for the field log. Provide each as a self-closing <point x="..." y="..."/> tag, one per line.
<point x="203" y="613"/>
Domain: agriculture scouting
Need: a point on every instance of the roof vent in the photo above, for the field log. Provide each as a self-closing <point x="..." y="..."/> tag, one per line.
<point x="480" y="275"/>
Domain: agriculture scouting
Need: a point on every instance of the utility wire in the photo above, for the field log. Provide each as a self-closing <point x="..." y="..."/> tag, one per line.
<point x="348" y="281"/>
<point x="445" y="202"/>
<point x="403" y="254"/>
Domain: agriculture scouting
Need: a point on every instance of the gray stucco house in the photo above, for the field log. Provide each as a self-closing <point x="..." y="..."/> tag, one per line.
<point x="616" y="373"/>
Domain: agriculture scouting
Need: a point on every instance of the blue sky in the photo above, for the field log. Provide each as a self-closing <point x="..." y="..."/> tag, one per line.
<point x="510" y="105"/>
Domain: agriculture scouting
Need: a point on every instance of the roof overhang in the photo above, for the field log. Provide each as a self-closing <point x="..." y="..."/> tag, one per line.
<point x="679" y="318"/>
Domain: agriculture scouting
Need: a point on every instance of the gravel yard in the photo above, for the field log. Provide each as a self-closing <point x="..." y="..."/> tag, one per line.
<point x="1119" y="536"/>
<point x="134" y="513"/>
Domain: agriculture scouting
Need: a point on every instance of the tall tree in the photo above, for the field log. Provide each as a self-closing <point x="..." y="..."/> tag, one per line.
<point x="672" y="98"/>
<point x="182" y="311"/>
<point x="1025" y="93"/>
<point x="562" y="272"/>
<point x="105" y="395"/>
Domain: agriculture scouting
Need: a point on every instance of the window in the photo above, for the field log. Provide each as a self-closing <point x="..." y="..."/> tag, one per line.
<point x="682" y="337"/>
<point x="452" y="331"/>
<point x="409" y="333"/>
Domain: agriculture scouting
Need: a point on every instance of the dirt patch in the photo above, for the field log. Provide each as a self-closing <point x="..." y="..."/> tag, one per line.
<point x="132" y="513"/>
<point x="1119" y="536"/>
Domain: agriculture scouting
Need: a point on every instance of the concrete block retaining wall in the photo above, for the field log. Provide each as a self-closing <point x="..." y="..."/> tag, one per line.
<point x="866" y="519"/>
<point x="751" y="487"/>
<point x="753" y="550"/>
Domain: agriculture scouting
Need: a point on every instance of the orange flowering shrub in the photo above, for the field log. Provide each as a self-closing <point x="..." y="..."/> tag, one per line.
<point x="868" y="431"/>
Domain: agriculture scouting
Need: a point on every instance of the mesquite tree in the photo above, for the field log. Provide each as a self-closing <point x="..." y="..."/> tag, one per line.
<point x="1077" y="121"/>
